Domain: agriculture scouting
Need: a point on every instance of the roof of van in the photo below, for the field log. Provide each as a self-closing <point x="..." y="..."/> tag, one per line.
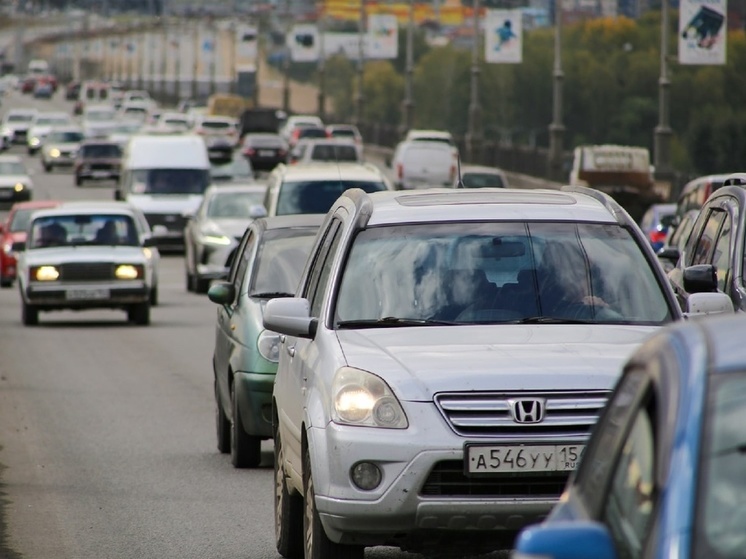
<point x="172" y="151"/>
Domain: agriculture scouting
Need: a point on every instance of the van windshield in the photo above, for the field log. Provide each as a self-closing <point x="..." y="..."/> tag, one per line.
<point x="170" y="181"/>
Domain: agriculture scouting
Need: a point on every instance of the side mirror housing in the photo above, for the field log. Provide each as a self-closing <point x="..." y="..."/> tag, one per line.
<point x="671" y="254"/>
<point x="291" y="316"/>
<point x="701" y="278"/>
<point x="702" y="304"/>
<point x="222" y="293"/>
<point x="159" y="230"/>
<point x="18" y="246"/>
<point x="565" y="540"/>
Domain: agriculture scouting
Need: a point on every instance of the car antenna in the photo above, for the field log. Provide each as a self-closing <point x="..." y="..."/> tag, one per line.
<point x="460" y="183"/>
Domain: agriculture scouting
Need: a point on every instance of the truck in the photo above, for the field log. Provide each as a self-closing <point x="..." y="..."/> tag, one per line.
<point x="623" y="172"/>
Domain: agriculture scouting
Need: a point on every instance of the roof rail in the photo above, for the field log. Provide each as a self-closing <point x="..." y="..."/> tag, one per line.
<point x="363" y="205"/>
<point x="736" y="179"/>
<point x="607" y="201"/>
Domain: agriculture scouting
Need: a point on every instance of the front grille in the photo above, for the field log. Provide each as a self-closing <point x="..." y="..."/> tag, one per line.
<point x="567" y="415"/>
<point x="447" y="479"/>
<point x="87" y="271"/>
<point x="102" y="166"/>
<point x="173" y="222"/>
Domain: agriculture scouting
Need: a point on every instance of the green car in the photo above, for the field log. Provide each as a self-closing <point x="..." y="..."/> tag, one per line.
<point x="268" y="263"/>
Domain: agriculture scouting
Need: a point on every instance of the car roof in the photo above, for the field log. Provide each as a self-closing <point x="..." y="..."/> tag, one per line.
<point x="449" y="204"/>
<point x="34" y="204"/>
<point x="243" y="187"/>
<point x="419" y="133"/>
<point x="325" y="171"/>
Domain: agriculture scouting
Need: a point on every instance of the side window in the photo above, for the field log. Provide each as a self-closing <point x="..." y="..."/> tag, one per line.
<point x="721" y="256"/>
<point x="326" y="269"/>
<point x="241" y="260"/>
<point x="630" y="501"/>
<point x="706" y="242"/>
<point x="315" y="273"/>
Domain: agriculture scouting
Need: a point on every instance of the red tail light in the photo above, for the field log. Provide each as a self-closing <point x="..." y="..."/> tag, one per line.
<point x="657" y="236"/>
<point x="249" y="152"/>
<point x="282" y="153"/>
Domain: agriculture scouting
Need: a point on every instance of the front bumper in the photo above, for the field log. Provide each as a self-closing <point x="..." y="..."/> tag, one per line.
<point x="254" y="393"/>
<point x="86" y="295"/>
<point x="10" y="195"/>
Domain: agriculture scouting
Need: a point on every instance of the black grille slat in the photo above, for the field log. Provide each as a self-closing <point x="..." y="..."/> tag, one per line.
<point x="447" y="479"/>
<point x="174" y="222"/>
<point x="85" y="271"/>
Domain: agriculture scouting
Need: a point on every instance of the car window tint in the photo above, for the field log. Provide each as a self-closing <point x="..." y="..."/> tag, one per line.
<point x="316" y="197"/>
<point x="721" y="501"/>
<point x="706" y="241"/>
<point x="244" y="259"/>
<point x="482" y="180"/>
<point x="325" y="272"/>
<point x="721" y="255"/>
<point x="280" y="260"/>
<point x="630" y="500"/>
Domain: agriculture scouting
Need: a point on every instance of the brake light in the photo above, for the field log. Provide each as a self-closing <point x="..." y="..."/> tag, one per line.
<point x="657" y="236"/>
<point x="282" y="153"/>
<point x="249" y="152"/>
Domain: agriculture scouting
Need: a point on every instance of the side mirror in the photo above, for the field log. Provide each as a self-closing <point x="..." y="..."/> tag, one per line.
<point x="222" y="293"/>
<point x="291" y="316"/>
<point x="257" y="210"/>
<point x="702" y="304"/>
<point x="150" y="241"/>
<point x="671" y="254"/>
<point x="565" y="540"/>
<point x="701" y="278"/>
<point x="18" y="246"/>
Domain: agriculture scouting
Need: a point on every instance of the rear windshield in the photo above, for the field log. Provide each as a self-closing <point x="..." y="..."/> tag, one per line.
<point x="316" y="197"/>
<point x="312" y="133"/>
<point x="482" y="180"/>
<point x="170" y="181"/>
<point x="334" y="153"/>
<point x="217" y="125"/>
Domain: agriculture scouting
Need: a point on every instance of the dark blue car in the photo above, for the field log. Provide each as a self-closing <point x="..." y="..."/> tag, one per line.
<point x="664" y="474"/>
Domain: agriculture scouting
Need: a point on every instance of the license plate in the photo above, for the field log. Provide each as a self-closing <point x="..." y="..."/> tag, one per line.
<point x="517" y="459"/>
<point x="101" y="174"/>
<point x="86" y="294"/>
<point x="6" y="193"/>
<point x="266" y="153"/>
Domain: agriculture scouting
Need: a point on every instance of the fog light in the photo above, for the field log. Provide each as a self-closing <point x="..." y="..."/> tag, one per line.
<point x="366" y="475"/>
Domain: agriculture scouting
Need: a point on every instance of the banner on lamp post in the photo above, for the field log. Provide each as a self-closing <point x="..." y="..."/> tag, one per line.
<point x="246" y="42"/>
<point x="702" y="31"/>
<point x="382" y="39"/>
<point x="303" y="42"/>
<point x="503" y="37"/>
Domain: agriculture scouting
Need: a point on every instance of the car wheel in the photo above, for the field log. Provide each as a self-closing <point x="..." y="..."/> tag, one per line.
<point x="139" y="314"/>
<point x="288" y="510"/>
<point x="246" y="450"/>
<point x="78" y="180"/>
<point x="47" y="167"/>
<point x="5" y="282"/>
<point x="154" y="296"/>
<point x="31" y="151"/>
<point x="318" y="545"/>
<point x="29" y="314"/>
<point x="223" y="426"/>
<point x="189" y="281"/>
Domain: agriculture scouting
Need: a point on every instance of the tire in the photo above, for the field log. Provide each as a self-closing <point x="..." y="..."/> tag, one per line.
<point x="222" y="425"/>
<point x="29" y="314"/>
<point x="288" y="511"/>
<point x="154" y="296"/>
<point x="5" y="283"/>
<point x="47" y="167"/>
<point x="246" y="450"/>
<point x="78" y="181"/>
<point x="317" y="544"/>
<point x="139" y="314"/>
<point x="189" y="282"/>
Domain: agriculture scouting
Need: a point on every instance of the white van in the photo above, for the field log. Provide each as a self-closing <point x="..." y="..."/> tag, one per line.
<point x="424" y="164"/>
<point x="165" y="176"/>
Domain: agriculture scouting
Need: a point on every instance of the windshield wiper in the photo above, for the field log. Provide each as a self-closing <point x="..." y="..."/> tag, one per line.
<point x="271" y="295"/>
<point x="393" y="322"/>
<point x="551" y="320"/>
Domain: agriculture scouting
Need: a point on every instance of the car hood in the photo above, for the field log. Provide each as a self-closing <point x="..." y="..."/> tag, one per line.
<point x="10" y="180"/>
<point x="166" y="203"/>
<point x="17" y="125"/>
<point x="420" y="362"/>
<point x="40" y="130"/>
<point x="63" y="146"/>
<point x="84" y="254"/>
<point x="232" y="227"/>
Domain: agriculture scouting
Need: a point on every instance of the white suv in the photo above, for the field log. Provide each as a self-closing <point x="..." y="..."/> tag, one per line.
<point x="436" y="386"/>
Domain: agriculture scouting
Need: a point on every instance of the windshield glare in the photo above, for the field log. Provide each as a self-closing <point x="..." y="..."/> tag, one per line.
<point x="500" y="272"/>
<point x="233" y="204"/>
<point x="281" y="259"/>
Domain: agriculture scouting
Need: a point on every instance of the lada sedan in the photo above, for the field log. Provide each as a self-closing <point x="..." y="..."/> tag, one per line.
<point x="663" y="476"/>
<point x="81" y="256"/>
<point x="444" y="360"/>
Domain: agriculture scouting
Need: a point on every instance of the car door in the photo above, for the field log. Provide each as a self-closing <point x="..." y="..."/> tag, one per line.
<point x="224" y="340"/>
<point x="299" y="355"/>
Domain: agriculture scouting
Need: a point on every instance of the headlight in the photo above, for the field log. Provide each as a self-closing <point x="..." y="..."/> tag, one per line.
<point x="268" y="344"/>
<point x="33" y="142"/>
<point x="8" y="248"/>
<point x="54" y="152"/>
<point x="215" y="238"/>
<point x="19" y="186"/>
<point x="45" y="273"/>
<point x="128" y="272"/>
<point x="362" y="398"/>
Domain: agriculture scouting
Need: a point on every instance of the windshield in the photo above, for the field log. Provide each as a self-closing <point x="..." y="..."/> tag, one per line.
<point x="239" y="168"/>
<point x="280" y="260"/>
<point x="721" y="506"/>
<point x="12" y="168"/>
<point x="20" y="118"/>
<point x="65" y="137"/>
<point x="170" y="181"/>
<point x="500" y="272"/>
<point x="316" y="197"/>
<point x="21" y="219"/>
<point x="101" y="150"/>
<point x="69" y="230"/>
<point x="233" y="204"/>
<point x="100" y="116"/>
<point x="482" y="180"/>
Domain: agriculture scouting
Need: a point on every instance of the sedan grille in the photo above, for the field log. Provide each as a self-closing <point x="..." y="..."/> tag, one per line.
<point x="87" y="271"/>
<point x="447" y="479"/>
<point x="566" y="416"/>
<point x="173" y="222"/>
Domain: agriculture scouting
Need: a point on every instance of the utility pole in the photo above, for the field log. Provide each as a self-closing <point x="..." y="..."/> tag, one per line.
<point x="359" y="96"/>
<point x="556" y="128"/>
<point x="475" y="135"/>
<point x="286" y="63"/>
<point x="663" y="133"/>
<point x="408" y="105"/>
<point x="321" y="69"/>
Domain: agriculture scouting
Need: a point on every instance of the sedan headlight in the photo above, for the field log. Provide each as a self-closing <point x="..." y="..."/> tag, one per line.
<point x="45" y="273"/>
<point x="19" y="187"/>
<point x="54" y="152"/>
<point x="362" y="398"/>
<point x="268" y="344"/>
<point x="34" y="142"/>
<point x="214" y="237"/>
<point x="128" y="272"/>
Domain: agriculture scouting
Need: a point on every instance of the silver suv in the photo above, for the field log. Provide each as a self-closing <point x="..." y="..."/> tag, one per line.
<point x="444" y="361"/>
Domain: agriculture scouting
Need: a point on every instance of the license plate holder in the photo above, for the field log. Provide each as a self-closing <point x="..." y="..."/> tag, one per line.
<point x="92" y="294"/>
<point x="482" y="459"/>
<point x="101" y="174"/>
<point x="266" y="153"/>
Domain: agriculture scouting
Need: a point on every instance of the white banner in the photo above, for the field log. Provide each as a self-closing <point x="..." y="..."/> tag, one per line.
<point x="503" y="37"/>
<point x="382" y="40"/>
<point x="246" y="42"/>
<point x="702" y="31"/>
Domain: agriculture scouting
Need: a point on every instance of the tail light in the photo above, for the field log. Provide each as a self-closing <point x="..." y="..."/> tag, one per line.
<point x="282" y="152"/>
<point x="249" y="152"/>
<point x="657" y="236"/>
<point x="399" y="170"/>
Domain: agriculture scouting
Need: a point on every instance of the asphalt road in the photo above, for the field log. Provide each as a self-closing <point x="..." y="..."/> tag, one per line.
<point x="107" y="437"/>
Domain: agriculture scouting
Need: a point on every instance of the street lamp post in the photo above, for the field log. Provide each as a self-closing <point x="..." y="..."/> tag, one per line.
<point x="408" y="105"/>
<point x="286" y="63"/>
<point x="556" y="128"/>
<point x="322" y="70"/>
<point x="474" y="136"/>
<point x="663" y="133"/>
<point x="359" y="97"/>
